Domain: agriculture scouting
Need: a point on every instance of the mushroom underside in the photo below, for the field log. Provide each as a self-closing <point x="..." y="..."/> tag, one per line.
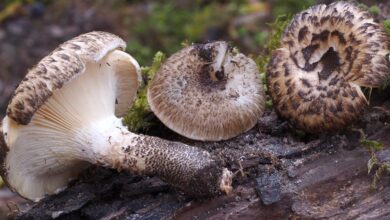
<point x="54" y="148"/>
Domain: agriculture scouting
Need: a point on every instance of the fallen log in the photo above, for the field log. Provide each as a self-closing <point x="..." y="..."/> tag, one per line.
<point x="279" y="175"/>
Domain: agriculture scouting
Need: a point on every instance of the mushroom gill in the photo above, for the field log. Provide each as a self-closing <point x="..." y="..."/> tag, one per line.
<point x="328" y="52"/>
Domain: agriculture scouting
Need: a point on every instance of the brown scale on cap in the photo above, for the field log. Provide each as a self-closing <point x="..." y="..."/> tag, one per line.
<point x="206" y="92"/>
<point x="59" y="67"/>
<point x="327" y="53"/>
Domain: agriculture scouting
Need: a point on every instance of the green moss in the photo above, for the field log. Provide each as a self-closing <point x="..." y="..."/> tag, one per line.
<point x="273" y="43"/>
<point x="374" y="10"/>
<point x="141" y="52"/>
<point x="263" y="78"/>
<point x="386" y="26"/>
<point x="149" y="72"/>
<point x="137" y="117"/>
<point x="261" y="38"/>
<point x="269" y="104"/>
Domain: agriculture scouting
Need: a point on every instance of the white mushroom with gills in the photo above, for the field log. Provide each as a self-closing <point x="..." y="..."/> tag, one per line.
<point x="207" y="92"/>
<point x="328" y="53"/>
<point x="64" y="116"/>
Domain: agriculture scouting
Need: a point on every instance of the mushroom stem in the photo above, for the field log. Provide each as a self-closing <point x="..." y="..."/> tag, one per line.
<point x="191" y="169"/>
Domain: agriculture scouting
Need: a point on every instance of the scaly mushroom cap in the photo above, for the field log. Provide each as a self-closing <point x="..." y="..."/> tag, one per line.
<point x="84" y="80"/>
<point x="205" y="92"/>
<point x="327" y="53"/>
<point x="61" y="66"/>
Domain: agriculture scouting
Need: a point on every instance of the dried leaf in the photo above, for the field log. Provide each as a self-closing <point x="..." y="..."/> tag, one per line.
<point x="371" y="163"/>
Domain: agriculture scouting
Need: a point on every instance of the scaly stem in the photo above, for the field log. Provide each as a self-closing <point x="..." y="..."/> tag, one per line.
<point x="191" y="169"/>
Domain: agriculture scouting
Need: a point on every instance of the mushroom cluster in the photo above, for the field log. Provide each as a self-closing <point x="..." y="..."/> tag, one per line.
<point x="328" y="53"/>
<point x="207" y="92"/>
<point x="65" y="115"/>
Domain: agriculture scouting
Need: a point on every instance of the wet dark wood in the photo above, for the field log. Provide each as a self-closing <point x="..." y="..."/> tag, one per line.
<point x="317" y="177"/>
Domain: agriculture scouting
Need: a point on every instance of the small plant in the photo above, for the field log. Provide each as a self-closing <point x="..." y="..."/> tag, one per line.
<point x="136" y="119"/>
<point x="381" y="168"/>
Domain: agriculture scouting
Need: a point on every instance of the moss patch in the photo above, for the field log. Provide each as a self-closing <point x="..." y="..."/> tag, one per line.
<point x="137" y="117"/>
<point x="273" y="43"/>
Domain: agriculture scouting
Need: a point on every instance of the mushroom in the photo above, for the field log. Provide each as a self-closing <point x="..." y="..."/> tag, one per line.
<point x="64" y="116"/>
<point x="328" y="53"/>
<point x="207" y="92"/>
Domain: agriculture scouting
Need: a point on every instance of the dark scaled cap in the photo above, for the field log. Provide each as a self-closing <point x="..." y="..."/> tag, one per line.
<point x="327" y="54"/>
